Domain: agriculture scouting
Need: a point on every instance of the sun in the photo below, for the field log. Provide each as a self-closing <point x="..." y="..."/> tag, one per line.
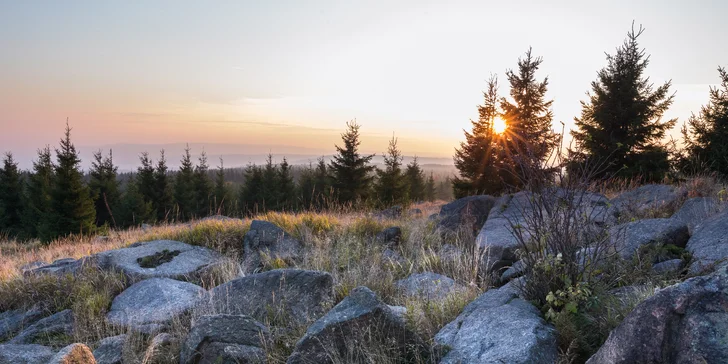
<point x="499" y="125"/>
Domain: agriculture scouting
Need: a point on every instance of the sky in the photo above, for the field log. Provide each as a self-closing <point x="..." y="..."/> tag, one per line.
<point x="285" y="76"/>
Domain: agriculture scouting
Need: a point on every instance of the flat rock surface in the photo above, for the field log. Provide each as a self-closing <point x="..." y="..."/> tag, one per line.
<point x="25" y="354"/>
<point x="696" y="210"/>
<point x="684" y="323"/>
<point x="647" y="199"/>
<point x="303" y="294"/>
<point x="151" y="304"/>
<point x="185" y="265"/>
<point x="498" y="327"/>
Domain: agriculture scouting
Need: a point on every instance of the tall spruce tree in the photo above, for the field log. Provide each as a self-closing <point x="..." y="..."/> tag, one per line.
<point x="286" y="187"/>
<point x="133" y="209"/>
<point x="529" y="140"/>
<point x="391" y="186"/>
<point x="480" y="159"/>
<point x="163" y="199"/>
<point x="621" y="126"/>
<point x="145" y="183"/>
<point x="202" y="187"/>
<point x="221" y="193"/>
<point x="351" y="173"/>
<point x="72" y="209"/>
<point x="38" y="210"/>
<point x="104" y="188"/>
<point x="251" y="192"/>
<point x="184" y="191"/>
<point x="706" y="134"/>
<point x="11" y="198"/>
<point x="269" y="186"/>
<point x="415" y="181"/>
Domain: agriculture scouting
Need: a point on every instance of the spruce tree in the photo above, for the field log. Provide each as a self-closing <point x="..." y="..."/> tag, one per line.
<point x="286" y="187"/>
<point x="706" y="134"/>
<point x="38" y="211"/>
<point x="184" y="192"/>
<point x="104" y="188"/>
<point x="163" y="201"/>
<point x="391" y="186"/>
<point x="134" y="210"/>
<point x="322" y="185"/>
<point x="351" y="173"/>
<point x="529" y="140"/>
<point x="222" y="198"/>
<point x="621" y="126"/>
<point x="11" y="198"/>
<point x="145" y="183"/>
<point x="72" y="209"/>
<point x="251" y="192"/>
<point x="269" y="186"/>
<point x="415" y="181"/>
<point x="430" y="189"/>
<point x="202" y="187"/>
<point x="479" y="159"/>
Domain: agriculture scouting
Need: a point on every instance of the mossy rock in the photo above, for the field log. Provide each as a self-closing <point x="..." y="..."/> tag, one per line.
<point x="157" y="259"/>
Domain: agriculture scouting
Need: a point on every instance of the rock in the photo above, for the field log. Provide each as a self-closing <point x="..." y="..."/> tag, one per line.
<point x="514" y="271"/>
<point x="220" y="218"/>
<point x="672" y="266"/>
<point x="110" y="350"/>
<point x="471" y="211"/>
<point x="709" y="244"/>
<point x="429" y="286"/>
<point x="13" y="321"/>
<point x="74" y="354"/>
<point x="451" y="254"/>
<point x="415" y="212"/>
<point x="225" y="339"/>
<point x="645" y="200"/>
<point x="630" y="237"/>
<point x="26" y="268"/>
<point x="60" y="267"/>
<point x="359" y="325"/>
<point x="268" y="239"/>
<point x="392" y="257"/>
<point x="684" y="323"/>
<point x="146" y="227"/>
<point x="162" y="347"/>
<point x="303" y="294"/>
<point x="160" y="259"/>
<point x="149" y="306"/>
<point x="498" y="327"/>
<point x="390" y="236"/>
<point x="25" y="354"/>
<point x="496" y="238"/>
<point x="394" y="212"/>
<point x="696" y="210"/>
<point x="51" y="330"/>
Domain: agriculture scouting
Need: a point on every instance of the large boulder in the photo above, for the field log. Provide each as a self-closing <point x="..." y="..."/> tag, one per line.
<point x="646" y="201"/>
<point x="496" y="238"/>
<point x="74" y="354"/>
<point x="302" y="294"/>
<point x="59" y="267"/>
<point x="11" y="322"/>
<point x="359" y="329"/>
<point x="225" y="339"/>
<point x="696" y="210"/>
<point x="160" y="259"/>
<point x="498" y="327"/>
<point x="150" y="305"/>
<point x="429" y="286"/>
<point x="684" y="323"/>
<point x="471" y="211"/>
<point x="265" y="238"/>
<point x="390" y="236"/>
<point x="52" y="330"/>
<point x="110" y="350"/>
<point x="709" y="244"/>
<point x="25" y="354"/>
<point x="630" y="237"/>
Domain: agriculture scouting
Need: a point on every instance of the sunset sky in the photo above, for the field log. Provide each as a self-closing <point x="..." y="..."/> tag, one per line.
<point x="287" y="75"/>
